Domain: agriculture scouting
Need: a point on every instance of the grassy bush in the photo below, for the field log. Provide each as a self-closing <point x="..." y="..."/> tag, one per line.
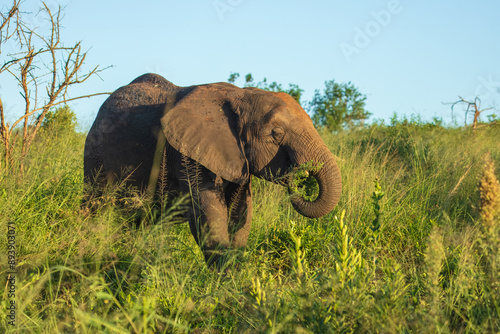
<point x="411" y="252"/>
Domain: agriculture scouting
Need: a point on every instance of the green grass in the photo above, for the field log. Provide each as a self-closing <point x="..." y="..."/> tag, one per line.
<point x="415" y="258"/>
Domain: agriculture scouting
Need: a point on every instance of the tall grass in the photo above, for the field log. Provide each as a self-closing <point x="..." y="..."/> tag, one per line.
<point x="413" y="254"/>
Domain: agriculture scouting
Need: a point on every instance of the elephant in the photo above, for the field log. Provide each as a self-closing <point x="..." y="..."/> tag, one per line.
<point x="210" y="140"/>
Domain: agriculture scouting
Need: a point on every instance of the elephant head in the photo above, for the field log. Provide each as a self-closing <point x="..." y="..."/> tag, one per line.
<point x="236" y="132"/>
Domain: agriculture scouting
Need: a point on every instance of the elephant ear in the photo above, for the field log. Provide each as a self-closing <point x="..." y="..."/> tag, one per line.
<point x="203" y="125"/>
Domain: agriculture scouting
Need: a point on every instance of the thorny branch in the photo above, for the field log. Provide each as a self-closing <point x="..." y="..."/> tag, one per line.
<point x="6" y="30"/>
<point x="42" y="62"/>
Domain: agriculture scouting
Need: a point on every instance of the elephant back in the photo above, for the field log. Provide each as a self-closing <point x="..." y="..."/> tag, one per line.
<point x="156" y="81"/>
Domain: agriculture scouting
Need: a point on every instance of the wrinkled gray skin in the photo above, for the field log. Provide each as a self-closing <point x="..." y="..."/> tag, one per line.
<point x="222" y="134"/>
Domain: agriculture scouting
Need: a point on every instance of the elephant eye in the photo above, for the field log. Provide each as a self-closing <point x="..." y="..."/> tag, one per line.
<point x="278" y="134"/>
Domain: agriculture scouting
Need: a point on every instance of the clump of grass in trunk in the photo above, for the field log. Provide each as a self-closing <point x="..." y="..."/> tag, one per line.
<point x="303" y="183"/>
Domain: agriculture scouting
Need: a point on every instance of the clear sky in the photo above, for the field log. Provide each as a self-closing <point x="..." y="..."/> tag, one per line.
<point x="406" y="56"/>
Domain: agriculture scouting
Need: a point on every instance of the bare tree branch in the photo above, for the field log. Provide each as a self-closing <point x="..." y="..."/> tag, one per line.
<point x="34" y="111"/>
<point x="6" y="20"/>
<point x="472" y="107"/>
<point x="43" y="63"/>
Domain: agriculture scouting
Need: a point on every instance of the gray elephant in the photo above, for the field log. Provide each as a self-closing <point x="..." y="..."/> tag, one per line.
<point x="210" y="139"/>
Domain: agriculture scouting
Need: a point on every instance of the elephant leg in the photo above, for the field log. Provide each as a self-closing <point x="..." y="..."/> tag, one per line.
<point x="210" y="226"/>
<point x="239" y="199"/>
<point x="207" y="215"/>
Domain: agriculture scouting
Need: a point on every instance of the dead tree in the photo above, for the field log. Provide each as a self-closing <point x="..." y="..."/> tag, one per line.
<point x="472" y="107"/>
<point x="44" y="68"/>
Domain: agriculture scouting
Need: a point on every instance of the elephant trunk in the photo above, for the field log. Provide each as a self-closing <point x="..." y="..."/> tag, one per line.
<point x="329" y="182"/>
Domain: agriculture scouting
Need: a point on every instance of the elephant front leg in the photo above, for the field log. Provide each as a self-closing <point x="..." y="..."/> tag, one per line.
<point x="209" y="225"/>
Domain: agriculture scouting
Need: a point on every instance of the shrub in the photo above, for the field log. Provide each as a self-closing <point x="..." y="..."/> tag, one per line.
<point x="60" y="120"/>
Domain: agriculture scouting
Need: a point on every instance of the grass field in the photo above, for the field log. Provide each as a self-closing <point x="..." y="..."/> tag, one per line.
<point x="412" y="247"/>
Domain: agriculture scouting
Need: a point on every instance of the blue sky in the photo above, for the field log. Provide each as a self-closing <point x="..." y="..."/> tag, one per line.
<point x="406" y="56"/>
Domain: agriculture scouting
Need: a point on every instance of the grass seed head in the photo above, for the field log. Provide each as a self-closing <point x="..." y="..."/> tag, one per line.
<point x="489" y="191"/>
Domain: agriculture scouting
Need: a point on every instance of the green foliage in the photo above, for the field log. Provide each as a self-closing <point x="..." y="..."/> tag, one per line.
<point x="493" y="118"/>
<point x="293" y="90"/>
<point x="303" y="183"/>
<point x="339" y="106"/>
<point x="418" y="251"/>
<point x="59" y="120"/>
<point x="376" y="198"/>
